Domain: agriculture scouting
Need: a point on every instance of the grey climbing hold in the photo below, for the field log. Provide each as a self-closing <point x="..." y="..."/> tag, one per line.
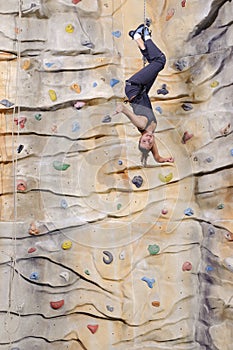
<point x="180" y="65"/>
<point x="109" y="257"/>
<point x="189" y="212"/>
<point x="107" y="119"/>
<point x="137" y="181"/>
<point x="6" y="103"/>
<point x="187" y="107"/>
<point x="64" y="204"/>
<point x="163" y="90"/>
<point x="211" y="231"/>
<point x="110" y="308"/>
<point x="20" y="148"/>
<point x="209" y="159"/>
<point x="88" y="44"/>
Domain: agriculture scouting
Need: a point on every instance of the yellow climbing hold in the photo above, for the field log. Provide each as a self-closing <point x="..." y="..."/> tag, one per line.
<point x="166" y="178"/>
<point x="52" y="95"/>
<point x="214" y="84"/>
<point x="69" y="28"/>
<point x="26" y="64"/>
<point x="66" y="245"/>
<point x="76" y="88"/>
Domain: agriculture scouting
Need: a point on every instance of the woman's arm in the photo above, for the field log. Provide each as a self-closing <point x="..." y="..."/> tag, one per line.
<point x="157" y="157"/>
<point x="138" y="120"/>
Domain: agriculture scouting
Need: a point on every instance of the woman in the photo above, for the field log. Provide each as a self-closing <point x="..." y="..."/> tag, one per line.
<point x="137" y="89"/>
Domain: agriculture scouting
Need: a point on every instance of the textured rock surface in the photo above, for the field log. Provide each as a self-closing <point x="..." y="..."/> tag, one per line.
<point x="88" y="260"/>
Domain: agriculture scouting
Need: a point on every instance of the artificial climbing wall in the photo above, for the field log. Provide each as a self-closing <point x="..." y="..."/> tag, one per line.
<point x="92" y="258"/>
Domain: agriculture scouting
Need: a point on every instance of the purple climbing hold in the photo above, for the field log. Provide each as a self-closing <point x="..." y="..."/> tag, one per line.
<point x="189" y="212"/>
<point x="159" y="109"/>
<point x="20" y="148"/>
<point x="117" y="34"/>
<point x="163" y="90"/>
<point x="109" y="257"/>
<point x="6" y="103"/>
<point x="137" y="181"/>
<point x="232" y="152"/>
<point x="107" y="119"/>
<point x="79" y="104"/>
<point x="187" y="107"/>
<point x="34" y="276"/>
<point x="113" y="82"/>
<point x="149" y="281"/>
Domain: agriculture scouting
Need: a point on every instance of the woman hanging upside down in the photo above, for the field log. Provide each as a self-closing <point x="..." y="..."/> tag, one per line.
<point x="137" y="89"/>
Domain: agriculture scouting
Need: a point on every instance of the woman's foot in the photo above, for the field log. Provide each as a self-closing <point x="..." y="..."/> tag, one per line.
<point x="142" y="31"/>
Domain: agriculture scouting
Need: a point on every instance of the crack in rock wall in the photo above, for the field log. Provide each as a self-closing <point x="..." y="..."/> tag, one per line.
<point x="90" y="259"/>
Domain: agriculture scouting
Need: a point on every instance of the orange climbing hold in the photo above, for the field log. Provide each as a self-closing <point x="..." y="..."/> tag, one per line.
<point x="33" y="230"/>
<point x="21" y="186"/>
<point x="76" y="88"/>
<point x="170" y="13"/>
<point x="155" y="303"/>
<point x="26" y="64"/>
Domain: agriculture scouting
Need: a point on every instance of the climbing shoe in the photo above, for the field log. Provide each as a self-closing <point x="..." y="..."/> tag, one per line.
<point x="139" y="30"/>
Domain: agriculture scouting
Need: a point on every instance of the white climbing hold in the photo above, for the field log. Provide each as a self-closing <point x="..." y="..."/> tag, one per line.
<point x="65" y="275"/>
<point x="122" y="255"/>
<point x="228" y="263"/>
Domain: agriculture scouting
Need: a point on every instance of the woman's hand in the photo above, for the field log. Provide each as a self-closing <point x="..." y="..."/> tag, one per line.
<point x="120" y="108"/>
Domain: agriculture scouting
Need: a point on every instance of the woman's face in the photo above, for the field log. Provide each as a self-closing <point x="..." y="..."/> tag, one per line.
<point x="147" y="141"/>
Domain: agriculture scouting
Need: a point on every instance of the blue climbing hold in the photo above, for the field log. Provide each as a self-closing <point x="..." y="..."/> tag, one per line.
<point x="159" y="109"/>
<point x="75" y="126"/>
<point x="209" y="268"/>
<point x="232" y="151"/>
<point x="6" y="103"/>
<point x="211" y="231"/>
<point x="107" y="119"/>
<point x="163" y="91"/>
<point x="120" y="162"/>
<point x="149" y="281"/>
<point x="189" y="212"/>
<point x="49" y="64"/>
<point x="110" y="308"/>
<point x="137" y="181"/>
<point x="113" y="82"/>
<point x="34" y="276"/>
<point x="117" y="34"/>
<point x="187" y="107"/>
<point x="94" y="84"/>
<point x="64" y="204"/>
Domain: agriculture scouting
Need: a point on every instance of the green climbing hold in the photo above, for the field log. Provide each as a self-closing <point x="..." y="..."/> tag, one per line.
<point x="220" y="206"/>
<point x="60" y="165"/>
<point x="153" y="249"/>
<point x="87" y="272"/>
<point x="38" y="116"/>
<point x="119" y="206"/>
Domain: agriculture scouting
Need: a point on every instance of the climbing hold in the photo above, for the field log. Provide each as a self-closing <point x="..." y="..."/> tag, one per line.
<point x="183" y="3"/>
<point x="209" y="159"/>
<point x="180" y="65"/>
<point x="110" y="308"/>
<point x="187" y="266"/>
<point x="21" y="121"/>
<point x="65" y="275"/>
<point x="31" y="250"/>
<point x="52" y="95"/>
<point x="122" y="255"/>
<point x="187" y="107"/>
<point x="117" y="34"/>
<point x="64" y="204"/>
<point x="211" y="231"/>
<point x="228" y="263"/>
<point x="109" y="258"/>
<point x="60" y="165"/>
<point x="220" y="206"/>
<point x="76" y="88"/>
<point x="20" y="148"/>
<point x="113" y="82"/>
<point x="229" y="236"/>
<point x="170" y="14"/>
<point x="66" y="245"/>
<point x="214" y="84"/>
<point x="166" y="178"/>
<point x="149" y="281"/>
<point x="57" y="304"/>
<point x="189" y="212"/>
<point x="21" y="186"/>
<point x="34" y="276"/>
<point x="69" y="28"/>
<point x="155" y="303"/>
<point x="164" y="211"/>
<point x="6" y="103"/>
<point x="75" y="2"/>
<point x="79" y="104"/>
<point x="88" y="44"/>
<point x="137" y="181"/>
<point x="159" y="109"/>
<point x="163" y="90"/>
<point x="93" y="328"/>
<point x="33" y="230"/>
<point x="209" y="268"/>
<point x="87" y="272"/>
<point x="26" y="64"/>
<point x="226" y="129"/>
<point x="153" y="249"/>
<point x="186" y="137"/>
<point x="38" y="116"/>
<point x="75" y="126"/>
<point x="119" y="206"/>
<point x="120" y="162"/>
<point x="94" y="84"/>
<point x="107" y="119"/>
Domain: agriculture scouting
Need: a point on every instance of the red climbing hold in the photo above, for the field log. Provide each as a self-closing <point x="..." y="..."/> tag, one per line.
<point x="57" y="304"/>
<point x="20" y="121"/>
<point x="75" y="2"/>
<point x="187" y="266"/>
<point x="186" y="137"/>
<point x="31" y="250"/>
<point x="93" y="327"/>
<point x="183" y="3"/>
<point x="21" y="186"/>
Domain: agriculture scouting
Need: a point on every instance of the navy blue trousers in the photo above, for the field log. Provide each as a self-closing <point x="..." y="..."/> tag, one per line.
<point x="143" y="80"/>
